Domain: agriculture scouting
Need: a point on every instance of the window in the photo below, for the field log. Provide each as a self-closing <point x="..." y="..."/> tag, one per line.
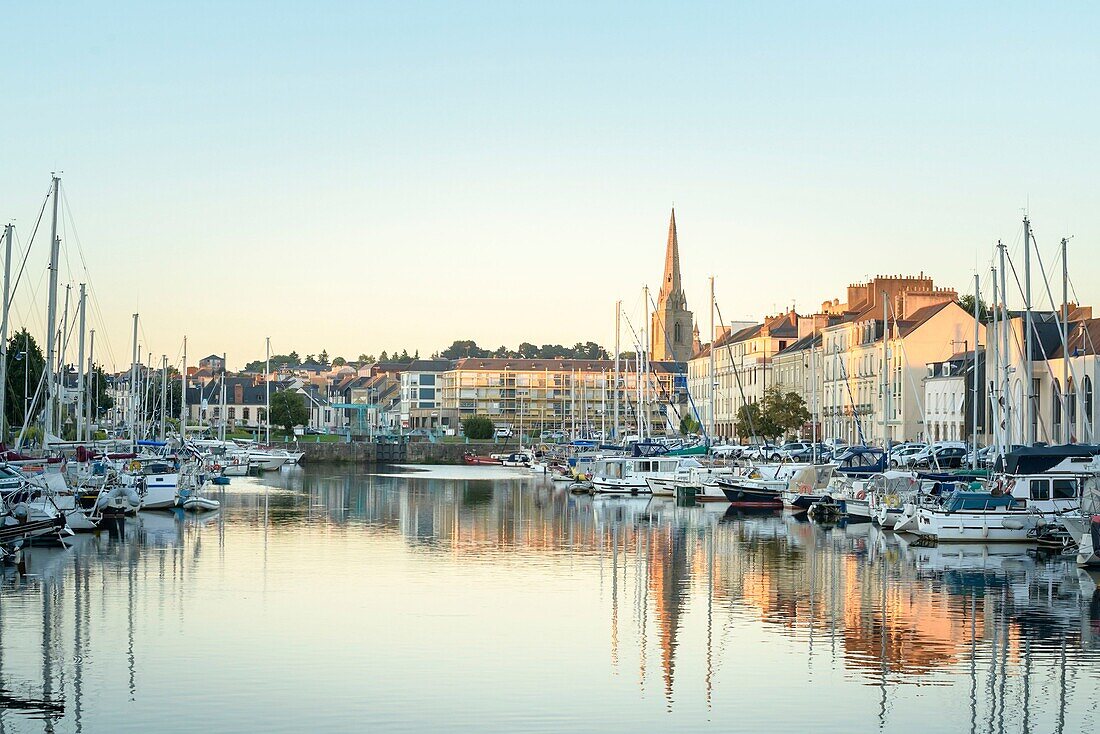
<point x="261" y="414"/>
<point x="427" y="393"/>
<point x="1040" y="489"/>
<point x="245" y="413"/>
<point x="427" y="380"/>
<point x="232" y="413"/>
<point x="1065" y="489"/>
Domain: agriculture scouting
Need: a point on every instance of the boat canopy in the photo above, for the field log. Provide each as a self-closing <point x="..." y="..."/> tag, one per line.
<point x="1039" y="459"/>
<point x="979" y="501"/>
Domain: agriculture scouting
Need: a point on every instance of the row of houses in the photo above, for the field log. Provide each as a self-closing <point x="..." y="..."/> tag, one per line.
<point x="896" y="361"/>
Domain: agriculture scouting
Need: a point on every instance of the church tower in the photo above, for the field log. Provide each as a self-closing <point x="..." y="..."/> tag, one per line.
<point x="672" y="326"/>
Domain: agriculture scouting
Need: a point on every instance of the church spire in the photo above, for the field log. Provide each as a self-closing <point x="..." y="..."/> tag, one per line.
<point x="671" y="285"/>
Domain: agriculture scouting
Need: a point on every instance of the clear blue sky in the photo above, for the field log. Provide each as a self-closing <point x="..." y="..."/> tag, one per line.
<point x="360" y="177"/>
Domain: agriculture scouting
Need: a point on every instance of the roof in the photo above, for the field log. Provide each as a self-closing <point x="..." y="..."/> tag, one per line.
<point x="500" y="364"/>
<point x="210" y="357"/>
<point x="811" y="340"/>
<point x="920" y="316"/>
<point x="1083" y="338"/>
<point x="429" y="365"/>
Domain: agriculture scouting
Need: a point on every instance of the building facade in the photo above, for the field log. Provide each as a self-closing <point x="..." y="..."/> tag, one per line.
<point x="573" y="395"/>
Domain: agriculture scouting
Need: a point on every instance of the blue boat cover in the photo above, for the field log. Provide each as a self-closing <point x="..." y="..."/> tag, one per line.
<point x="978" y="501"/>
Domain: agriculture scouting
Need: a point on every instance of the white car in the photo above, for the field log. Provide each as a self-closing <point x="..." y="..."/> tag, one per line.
<point x="899" y="454"/>
<point x="503" y="432"/>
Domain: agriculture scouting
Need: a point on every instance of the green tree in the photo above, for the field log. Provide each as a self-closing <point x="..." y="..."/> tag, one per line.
<point x="383" y="356"/>
<point x="477" y="426"/>
<point x="463" y="348"/>
<point x="288" y="409"/>
<point x="967" y="303"/>
<point x="339" y="361"/>
<point x="25" y="367"/>
<point x="689" y="425"/>
<point x="366" y="359"/>
<point x="779" y="413"/>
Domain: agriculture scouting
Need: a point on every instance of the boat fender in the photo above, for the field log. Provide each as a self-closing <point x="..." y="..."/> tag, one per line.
<point x="134" y="465"/>
<point x="217" y="467"/>
<point x="861" y="495"/>
<point x="1012" y="524"/>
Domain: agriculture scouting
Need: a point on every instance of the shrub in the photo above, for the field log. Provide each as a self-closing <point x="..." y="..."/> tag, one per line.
<point x="477" y="426"/>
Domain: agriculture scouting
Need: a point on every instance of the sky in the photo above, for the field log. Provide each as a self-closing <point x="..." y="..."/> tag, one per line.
<point x="363" y="177"/>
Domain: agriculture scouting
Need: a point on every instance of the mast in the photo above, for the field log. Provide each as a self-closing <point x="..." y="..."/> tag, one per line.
<point x="1067" y="428"/>
<point x="1006" y="355"/>
<point x="89" y="415"/>
<point x="643" y="410"/>
<point x="992" y="373"/>
<point x="133" y="386"/>
<point x="183" y="395"/>
<point x="814" y="413"/>
<point x="80" y="368"/>
<point x="223" y="409"/>
<point x="713" y="413"/>
<point x="884" y="380"/>
<point x="267" y="392"/>
<point x="974" y="407"/>
<point x="615" y="394"/>
<point x="60" y="368"/>
<point x="163" y="396"/>
<point x="8" y="233"/>
<point x="51" y="317"/>
<point x="1029" y="411"/>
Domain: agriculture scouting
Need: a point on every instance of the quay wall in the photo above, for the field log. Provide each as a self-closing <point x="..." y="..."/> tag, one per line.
<point x="373" y="453"/>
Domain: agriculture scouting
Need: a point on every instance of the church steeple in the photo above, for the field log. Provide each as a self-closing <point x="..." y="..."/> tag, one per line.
<point x="671" y="336"/>
<point x="671" y="284"/>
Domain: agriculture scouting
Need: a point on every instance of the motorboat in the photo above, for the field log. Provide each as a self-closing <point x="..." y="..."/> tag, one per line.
<point x="977" y="516"/>
<point x="628" y="475"/>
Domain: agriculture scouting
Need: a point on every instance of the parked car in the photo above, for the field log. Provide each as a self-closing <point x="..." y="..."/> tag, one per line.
<point x="787" y="451"/>
<point x="503" y="432"/>
<point x="898" y="455"/>
<point x="808" y="453"/>
<point x="727" y="451"/>
<point x="760" y="452"/>
<point x="939" y="457"/>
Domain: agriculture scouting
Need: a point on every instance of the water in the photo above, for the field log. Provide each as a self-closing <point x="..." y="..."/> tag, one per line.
<point x="454" y="600"/>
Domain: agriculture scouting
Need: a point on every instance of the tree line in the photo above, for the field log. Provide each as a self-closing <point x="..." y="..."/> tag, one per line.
<point x="469" y="348"/>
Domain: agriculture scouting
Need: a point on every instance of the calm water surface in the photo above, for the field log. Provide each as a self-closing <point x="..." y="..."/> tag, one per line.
<point x="466" y="599"/>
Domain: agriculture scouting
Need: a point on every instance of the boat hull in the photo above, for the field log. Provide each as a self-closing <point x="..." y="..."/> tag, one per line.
<point x="743" y="495"/>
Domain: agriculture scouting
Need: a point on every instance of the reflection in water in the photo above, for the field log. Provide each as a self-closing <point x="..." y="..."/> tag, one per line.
<point x="712" y="614"/>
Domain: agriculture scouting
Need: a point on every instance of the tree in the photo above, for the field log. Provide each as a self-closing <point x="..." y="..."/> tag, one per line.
<point x="967" y="303"/>
<point x="288" y="409"/>
<point x="339" y="361"/>
<point x="778" y="414"/>
<point x="324" y="356"/>
<point x="309" y="358"/>
<point x="463" y="348"/>
<point x="25" y="367"/>
<point x="366" y="359"/>
<point x="786" y="411"/>
<point x="383" y="356"/>
<point x="689" y="425"/>
<point x="477" y="426"/>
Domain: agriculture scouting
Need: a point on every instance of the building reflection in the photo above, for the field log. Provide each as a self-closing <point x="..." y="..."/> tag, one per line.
<point x="890" y="612"/>
<point x="676" y="582"/>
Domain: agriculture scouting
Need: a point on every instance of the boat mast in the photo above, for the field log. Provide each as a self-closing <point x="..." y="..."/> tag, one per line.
<point x="1067" y="428"/>
<point x="59" y="369"/>
<point x="974" y="407"/>
<point x="183" y="395"/>
<point x="615" y="394"/>
<point x="51" y="317"/>
<point x="223" y="407"/>
<point x="163" y="396"/>
<point x="80" y="368"/>
<point x="267" y="391"/>
<point x="992" y="373"/>
<point x="90" y="416"/>
<point x="814" y="413"/>
<point x="644" y="409"/>
<point x="133" y="386"/>
<point x="8" y="235"/>
<point x="885" y="378"/>
<point x="1029" y="411"/>
<point x="712" y="413"/>
<point x="1006" y="358"/>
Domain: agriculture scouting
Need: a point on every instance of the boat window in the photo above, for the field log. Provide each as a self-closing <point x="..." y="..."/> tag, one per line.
<point x="1040" y="489"/>
<point x="1065" y="489"/>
